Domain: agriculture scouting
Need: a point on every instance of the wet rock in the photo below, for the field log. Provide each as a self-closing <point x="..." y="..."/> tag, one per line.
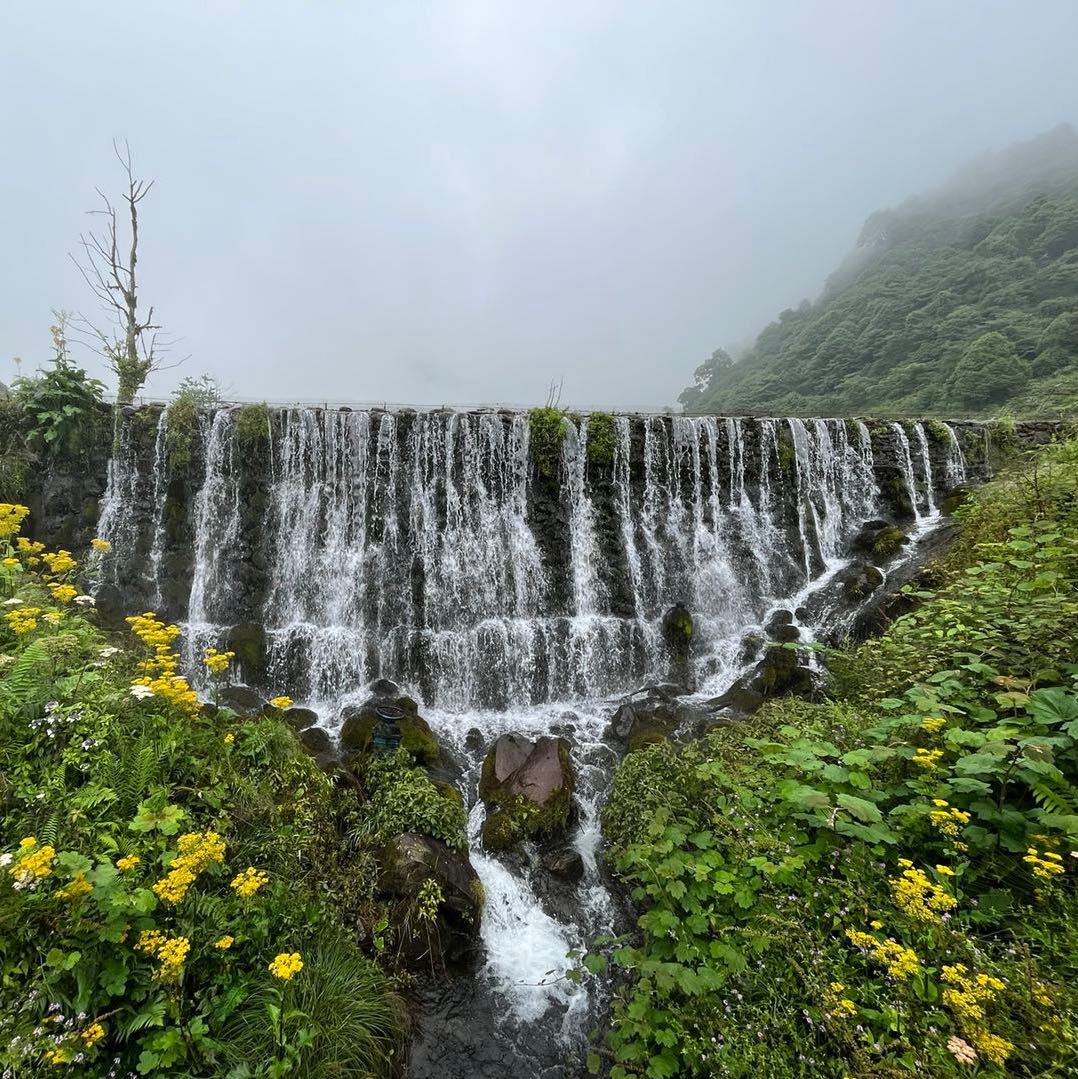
<point x="407" y="863"/>
<point x="299" y="719"/>
<point x="740" y="699"/>
<point x="316" y="740"/>
<point x="248" y="641"/>
<point x="243" y="700"/>
<point x="109" y="604"/>
<point x="527" y="788"/>
<point x="780" y="626"/>
<point x="752" y="644"/>
<point x="858" y="580"/>
<point x="473" y="740"/>
<point x="564" y="863"/>
<point x="677" y="630"/>
<point x="358" y="724"/>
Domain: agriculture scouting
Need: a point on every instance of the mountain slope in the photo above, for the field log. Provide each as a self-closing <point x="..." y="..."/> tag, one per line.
<point x="965" y="300"/>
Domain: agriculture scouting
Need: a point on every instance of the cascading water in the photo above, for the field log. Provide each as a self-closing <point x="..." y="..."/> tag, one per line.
<point x="427" y="548"/>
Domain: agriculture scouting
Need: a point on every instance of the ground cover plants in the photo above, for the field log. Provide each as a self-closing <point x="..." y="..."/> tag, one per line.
<point x="880" y="882"/>
<point x="177" y="892"/>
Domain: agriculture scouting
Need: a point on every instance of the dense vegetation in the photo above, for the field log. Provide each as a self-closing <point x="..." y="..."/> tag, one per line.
<point x="182" y="890"/>
<point x="879" y="883"/>
<point x="959" y="302"/>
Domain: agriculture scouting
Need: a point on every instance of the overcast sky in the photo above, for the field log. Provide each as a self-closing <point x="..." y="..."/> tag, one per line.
<point x="457" y="202"/>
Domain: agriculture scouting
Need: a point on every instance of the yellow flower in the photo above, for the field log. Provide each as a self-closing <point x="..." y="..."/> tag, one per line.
<point x="939" y="802"/>
<point x="124" y="865"/>
<point x="229" y="739"/>
<point x="901" y="962"/>
<point x="78" y="887"/>
<point x="173" y="888"/>
<point x="876" y="924"/>
<point x="170" y="957"/>
<point x="54" y="618"/>
<point x="281" y="702"/>
<point x="12" y="563"/>
<point x="1046" y="867"/>
<point x="249" y="881"/>
<point x="63" y="593"/>
<point x="60" y="562"/>
<point x="29" y="841"/>
<point x="101" y="546"/>
<point x="918" y="898"/>
<point x="932" y="726"/>
<point x="12" y="516"/>
<point x="286" y="966"/>
<point x="216" y="662"/>
<point x="944" y="871"/>
<point x="92" y="1035"/>
<point x="224" y="943"/>
<point x="927" y="758"/>
<point x="32" y="867"/>
<point x="150" y="940"/>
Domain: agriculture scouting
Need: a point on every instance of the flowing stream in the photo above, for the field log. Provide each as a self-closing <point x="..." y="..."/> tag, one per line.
<point x="427" y="548"/>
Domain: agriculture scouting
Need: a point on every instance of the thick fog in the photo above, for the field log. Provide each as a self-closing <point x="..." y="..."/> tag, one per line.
<point x="457" y="202"/>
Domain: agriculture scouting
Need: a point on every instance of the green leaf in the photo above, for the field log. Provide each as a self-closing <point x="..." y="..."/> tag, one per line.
<point x="863" y="810"/>
<point x="152" y="815"/>
<point x="594" y="1064"/>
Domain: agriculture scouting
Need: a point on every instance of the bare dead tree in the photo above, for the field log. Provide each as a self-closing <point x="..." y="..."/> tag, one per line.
<point x="131" y="345"/>
<point x="553" y="396"/>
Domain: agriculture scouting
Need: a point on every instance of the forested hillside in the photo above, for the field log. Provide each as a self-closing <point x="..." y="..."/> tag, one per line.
<point x="962" y="301"/>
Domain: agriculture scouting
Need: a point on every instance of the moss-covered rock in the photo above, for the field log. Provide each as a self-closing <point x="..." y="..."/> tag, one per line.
<point x="888" y="541"/>
<point x="530" y="784"/>
<point x="419" y="740"/>
<point x="501" y="831"/>
<point x="248" y="641"/>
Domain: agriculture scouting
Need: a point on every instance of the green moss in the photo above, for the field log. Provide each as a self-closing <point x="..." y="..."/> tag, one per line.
<point x="248" y="641"/>
<point x="937" y="431"/>
<point x="528" y="818"/>
<point x="602" y="438"/>
<point x="501" y="830"/>
<point x="180" y="433"/>
<point x="784" y="446"/>
<point x="898" y="494"/>
<point x="252" y="424"/>
<point x="888" y="540"/>
<point x="547" y="428"/>
<point x="419" y="740"/>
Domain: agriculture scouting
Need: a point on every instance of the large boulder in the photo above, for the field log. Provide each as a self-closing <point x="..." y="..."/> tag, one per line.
<point x="527" y="788"/>
<point x="677" y="630"/>
<point x="248" y="641"/>
<point x="243" y="700"/>
<point x="437" y="898"/>
<point x="358" y="723"/>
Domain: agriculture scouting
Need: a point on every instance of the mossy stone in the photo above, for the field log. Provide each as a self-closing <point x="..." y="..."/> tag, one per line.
<point x="500" y="831"/>
<point x="888" y="540"/>
<point x="419" y="740"/>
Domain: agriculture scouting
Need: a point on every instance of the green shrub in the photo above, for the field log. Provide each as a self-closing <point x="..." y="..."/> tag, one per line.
<point x="62" y="408"/>
<point x="405" y="799"/>
<point x="252" y="424"/>
<point x="547" y="429"/>
<point x="602" y="439"/>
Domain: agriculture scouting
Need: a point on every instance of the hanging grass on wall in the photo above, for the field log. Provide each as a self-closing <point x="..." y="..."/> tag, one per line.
<point x="547" y="428"/>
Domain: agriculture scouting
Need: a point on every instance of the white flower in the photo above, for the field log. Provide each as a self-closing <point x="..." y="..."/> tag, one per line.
<point x="5" y="859"/>
<point x="13" y="602"/>
<point x="141" y="692"/>
<point x="84" y="601"/>
<point x="108" y="651"/>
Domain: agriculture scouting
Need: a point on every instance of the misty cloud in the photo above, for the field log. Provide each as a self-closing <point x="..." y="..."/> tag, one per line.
<point x="458" y="202"/>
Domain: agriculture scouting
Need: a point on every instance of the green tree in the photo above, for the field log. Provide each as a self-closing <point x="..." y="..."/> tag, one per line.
<point x="989" y="371"/>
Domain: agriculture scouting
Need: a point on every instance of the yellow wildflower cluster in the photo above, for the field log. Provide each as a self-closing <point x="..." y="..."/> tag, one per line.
<point x="835" y="1004"/>
<point x="917" y="897"/>
<point x="11" y="563"/>
<point x="1046" y="866"/>
<point x="12" y="516"/>
<point x="60" y="1055"/>
<point x="900" y="961"/>
<point x="249" y="881"/>
<point x="170" y="952"/>
<point x="927" y="758"/>
<point x="933" y="725"/>
<point x="224" y="943"/>
<point x="229" y="738"/>
<point x="286" y="966"/>
<point x="161" y="678"/>
<point x="63" y="593"/>
<point x="281" y="702"/>
<point x="59" y="562"/>
<point x="216" y="662"/>
<point x="30" y="550"/>
<point x="92" y="1035"/>
<point x="946" y="819"/>
<point x="23" y="619"/>
<point x="33" y="865"/>
<point x="124" y="865"/>
<point x="78" y="887"/>
<point x="102" y="546"/>
<point x="197" y="851"/>
<point x="967" y="995"/>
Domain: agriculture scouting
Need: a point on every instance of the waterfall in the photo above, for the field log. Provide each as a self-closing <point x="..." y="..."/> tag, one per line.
<point x="906" y="463"/>
<point x="927" y="480"/>
<point x="428" y="548"/>
<point x="954" y="469"/>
